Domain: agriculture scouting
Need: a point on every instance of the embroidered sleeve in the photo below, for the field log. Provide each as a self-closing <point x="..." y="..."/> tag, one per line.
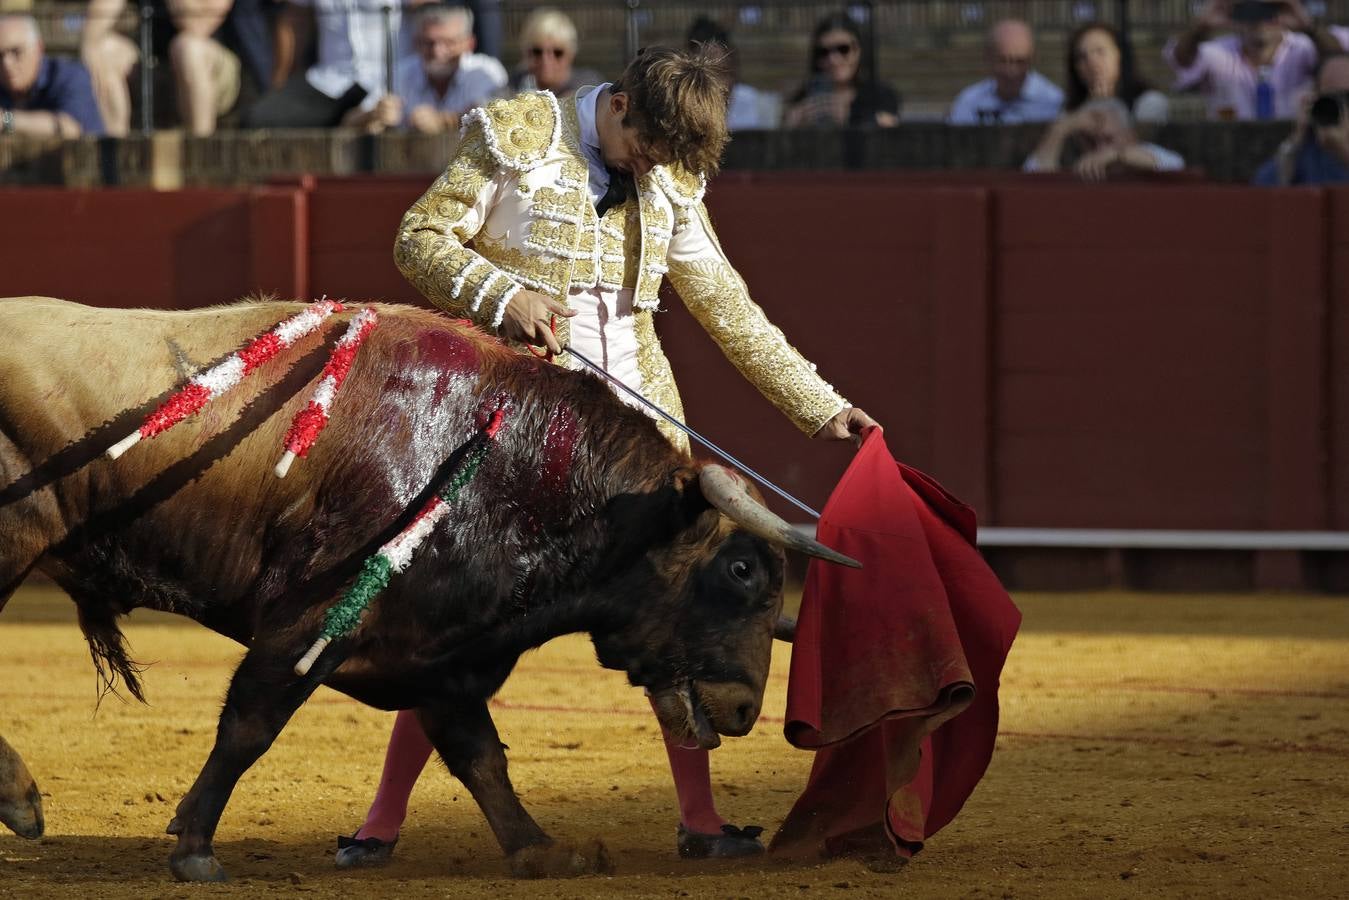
<point x="430" y="249"/>
<point x="716" y="295"/>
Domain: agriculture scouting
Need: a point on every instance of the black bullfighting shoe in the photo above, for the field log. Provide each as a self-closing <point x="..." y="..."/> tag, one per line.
<point x="731" y="843"/>
<point x="353" y="852"/>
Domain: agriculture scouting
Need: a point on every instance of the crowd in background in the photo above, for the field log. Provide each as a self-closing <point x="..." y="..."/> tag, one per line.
<point x="367" y="65"/>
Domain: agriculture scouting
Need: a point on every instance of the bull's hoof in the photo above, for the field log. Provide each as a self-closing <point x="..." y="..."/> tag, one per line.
<point x="24" y="816"/>
<point x="197" y="868"/>
<point x="562" y="860"/>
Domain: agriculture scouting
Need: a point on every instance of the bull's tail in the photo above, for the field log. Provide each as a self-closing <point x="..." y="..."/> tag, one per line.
<point x="108" y="649"/>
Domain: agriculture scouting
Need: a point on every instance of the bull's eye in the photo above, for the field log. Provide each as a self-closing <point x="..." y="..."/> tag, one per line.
<point x="740" y="569"/>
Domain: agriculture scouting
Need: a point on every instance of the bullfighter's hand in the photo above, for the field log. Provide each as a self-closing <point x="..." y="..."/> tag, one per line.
<point x="529" y="318"/>
<point x="847" y="425"/>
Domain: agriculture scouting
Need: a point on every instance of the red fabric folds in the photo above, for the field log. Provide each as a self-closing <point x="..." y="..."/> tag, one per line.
<point x="894" y="675"/>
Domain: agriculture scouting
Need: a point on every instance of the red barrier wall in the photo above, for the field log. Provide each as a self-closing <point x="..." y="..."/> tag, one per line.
<point x="1159" y="359"/>
<point x="141" y="248"/>
<point x="1142" y="356"/>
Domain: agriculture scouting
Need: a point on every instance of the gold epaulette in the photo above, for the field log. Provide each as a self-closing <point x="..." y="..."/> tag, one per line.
<point x="520" y="132"/>
<point x="682" y="187"/>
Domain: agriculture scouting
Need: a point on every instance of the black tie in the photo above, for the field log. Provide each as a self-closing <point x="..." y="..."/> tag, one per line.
<point x="615" y="195"/>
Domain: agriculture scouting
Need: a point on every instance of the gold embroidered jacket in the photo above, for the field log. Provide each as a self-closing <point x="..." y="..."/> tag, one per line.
<point x="513" y="211"/>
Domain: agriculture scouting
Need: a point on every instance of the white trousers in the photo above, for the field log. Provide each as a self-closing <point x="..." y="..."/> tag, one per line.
<point x="602" y="329"/>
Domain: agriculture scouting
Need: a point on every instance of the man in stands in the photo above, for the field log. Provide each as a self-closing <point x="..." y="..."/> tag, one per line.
<point x="353" y="38"/>
<point x="39" y="94"/>
<point x="1015" y="92"/>
<point x="1104" y="131"/>
<point x="192" y="35"/>
<point x="1259" y="72"/>
<point x="1317" y="152"/>
<point x="444" y="80"/>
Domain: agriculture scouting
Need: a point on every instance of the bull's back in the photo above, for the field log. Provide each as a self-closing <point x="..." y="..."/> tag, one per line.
<point x="75" y="379"/>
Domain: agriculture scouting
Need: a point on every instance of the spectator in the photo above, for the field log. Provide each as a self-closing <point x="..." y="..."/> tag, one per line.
<point x="351" y="68"/>
<point x="548" y="55"/>
<point x="1101" y="64"/>
<point x="1104" y="131"/>
<point x="750" y="108"/>
<point x="39" y="94"/>
<point x="442" y="82"/>
<point x="1317" y="152"/>
<point x="487" y="27"/>
<point x="189" y="33"/>
<point x="1015" y="93"/>
<point x="840" y="90"/>
<point x="1262" y="70"/>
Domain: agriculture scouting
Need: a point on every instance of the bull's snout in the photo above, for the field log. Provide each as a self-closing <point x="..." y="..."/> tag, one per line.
<point x="20" y="800"/>
<point x="732" y="708"/>
<point x="23" y="815"/>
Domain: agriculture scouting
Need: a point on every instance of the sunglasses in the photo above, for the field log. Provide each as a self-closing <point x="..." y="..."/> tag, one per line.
<point x="843" y="50"/>
<point x="540" y="52"/>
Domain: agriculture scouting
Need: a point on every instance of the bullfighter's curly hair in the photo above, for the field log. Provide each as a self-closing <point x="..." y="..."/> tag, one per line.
<point x="677" y="102"/>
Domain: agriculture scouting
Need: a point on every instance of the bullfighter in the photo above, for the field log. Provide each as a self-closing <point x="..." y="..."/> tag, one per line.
<point x="553" y="226"/>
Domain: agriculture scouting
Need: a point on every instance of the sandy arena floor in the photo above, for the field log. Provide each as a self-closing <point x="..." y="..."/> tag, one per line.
<point x="1153" y="746"/>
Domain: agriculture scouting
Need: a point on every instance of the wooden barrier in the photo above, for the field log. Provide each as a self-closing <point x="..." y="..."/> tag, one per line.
<point x="1061" y="356"/>
<point x="142" y="248"/>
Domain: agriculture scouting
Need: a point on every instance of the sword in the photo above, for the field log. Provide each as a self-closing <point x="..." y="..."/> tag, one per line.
<point x="689" y="431"/>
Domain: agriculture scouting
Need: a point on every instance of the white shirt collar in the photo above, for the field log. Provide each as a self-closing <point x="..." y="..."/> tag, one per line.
<point x="587" y="103"/>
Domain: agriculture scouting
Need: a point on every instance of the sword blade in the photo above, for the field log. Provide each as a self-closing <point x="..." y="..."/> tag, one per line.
<point x="597" y="369"/>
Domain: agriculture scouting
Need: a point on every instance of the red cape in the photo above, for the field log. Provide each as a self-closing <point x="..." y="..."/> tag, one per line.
<point x="894" y="676"/>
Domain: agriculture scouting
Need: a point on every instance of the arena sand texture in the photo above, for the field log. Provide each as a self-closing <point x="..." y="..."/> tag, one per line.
<point x="1152" y="746"/>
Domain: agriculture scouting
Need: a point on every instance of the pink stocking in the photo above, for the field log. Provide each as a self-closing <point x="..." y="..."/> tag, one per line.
<point x="409" y="749"/>
<point x="693" y="785"/>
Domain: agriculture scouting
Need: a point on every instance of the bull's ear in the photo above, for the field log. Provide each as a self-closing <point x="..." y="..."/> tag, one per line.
<point x="685" y="481"/>
<point x="640" y="521"/>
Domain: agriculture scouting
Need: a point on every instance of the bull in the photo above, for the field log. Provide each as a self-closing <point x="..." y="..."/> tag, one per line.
<point x="582" y="518"/>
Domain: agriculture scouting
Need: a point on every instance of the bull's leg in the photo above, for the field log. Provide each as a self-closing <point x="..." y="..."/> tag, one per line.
<point x="29" y="519"/>
<point x="262" y="697"/>
<point x="467" y="740"/>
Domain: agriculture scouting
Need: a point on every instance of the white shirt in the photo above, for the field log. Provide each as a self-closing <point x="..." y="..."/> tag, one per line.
<point x="1229" y="83"/>
<point x="351" y="46"/>
<point x="979" y="104"/>
<point x="1166" y="160"/>
<point x="603" y="327"/>
<point x="477" y="79"/>
<point x="752" y="108"/>
<point x="587" y="101"/>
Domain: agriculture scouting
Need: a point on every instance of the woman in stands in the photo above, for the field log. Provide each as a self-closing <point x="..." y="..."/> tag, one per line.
<point x="548" y="55"/>
<point x="1101" y="66"/>
<point x="841" y="89"/>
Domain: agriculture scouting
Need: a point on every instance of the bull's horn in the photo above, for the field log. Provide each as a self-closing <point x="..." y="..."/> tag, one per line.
<point x="724" y="490"/>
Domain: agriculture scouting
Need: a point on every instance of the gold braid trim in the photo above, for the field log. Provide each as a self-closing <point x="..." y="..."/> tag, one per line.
<point x="658" y="384"/>
<point x="521" y="132"/>
<point x="430" y="250"/>
<point x="681" y="186"/>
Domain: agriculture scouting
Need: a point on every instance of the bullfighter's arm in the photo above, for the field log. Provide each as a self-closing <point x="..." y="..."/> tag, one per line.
<point x="430" y="249"/>
<point x="716" y="295"/>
